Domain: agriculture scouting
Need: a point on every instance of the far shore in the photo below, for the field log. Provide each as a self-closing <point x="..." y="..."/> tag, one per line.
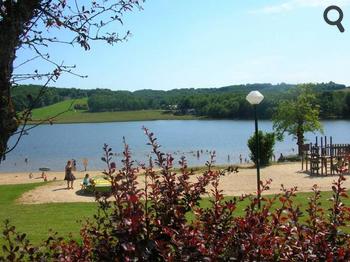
<point x="42" y="115"/>
<point x="58" y="121"/>
<point x="233" y="184"/>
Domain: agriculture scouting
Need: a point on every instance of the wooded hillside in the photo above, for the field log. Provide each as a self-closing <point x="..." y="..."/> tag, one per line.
<point x="225" y="102"/>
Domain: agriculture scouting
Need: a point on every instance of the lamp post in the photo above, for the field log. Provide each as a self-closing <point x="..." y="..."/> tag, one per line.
<point x="255" y="98"/>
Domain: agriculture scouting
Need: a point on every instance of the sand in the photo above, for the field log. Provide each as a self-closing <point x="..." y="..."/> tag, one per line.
<point x="236" y="184"/>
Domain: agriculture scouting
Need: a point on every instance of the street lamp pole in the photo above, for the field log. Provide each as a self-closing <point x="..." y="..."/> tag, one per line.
<point x="257" y="156"/>
<point x="255" y="98"/>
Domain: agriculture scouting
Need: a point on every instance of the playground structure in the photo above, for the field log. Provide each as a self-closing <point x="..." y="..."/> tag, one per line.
<point x="324" y="158"/>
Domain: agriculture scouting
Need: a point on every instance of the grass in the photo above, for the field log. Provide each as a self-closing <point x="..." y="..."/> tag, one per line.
<point x="83" y="116"/>
<point x="36" y="220"/>
<point x="301" y="199"/>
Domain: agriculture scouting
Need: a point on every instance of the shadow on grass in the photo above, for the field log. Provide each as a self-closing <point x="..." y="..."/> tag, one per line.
<point x="83" y="192"/>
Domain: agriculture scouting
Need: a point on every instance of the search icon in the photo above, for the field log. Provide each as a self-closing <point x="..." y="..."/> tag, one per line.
<point x="336" y="22"/>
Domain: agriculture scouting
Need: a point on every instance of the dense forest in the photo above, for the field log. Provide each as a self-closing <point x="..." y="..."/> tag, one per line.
<point x="25" y="96"/>
<point x="225" y="102"/>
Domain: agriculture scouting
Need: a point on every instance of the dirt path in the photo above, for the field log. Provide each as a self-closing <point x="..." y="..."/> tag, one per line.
<point x="240" y="183"/>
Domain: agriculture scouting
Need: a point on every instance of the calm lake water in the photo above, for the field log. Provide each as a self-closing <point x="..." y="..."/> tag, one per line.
<point x="51" y="146"/>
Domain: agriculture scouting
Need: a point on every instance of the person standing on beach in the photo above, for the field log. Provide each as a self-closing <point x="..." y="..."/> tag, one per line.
<point x="85" y="163"/>
<point x="74" y="163"/>
<point x="69" y="177"/>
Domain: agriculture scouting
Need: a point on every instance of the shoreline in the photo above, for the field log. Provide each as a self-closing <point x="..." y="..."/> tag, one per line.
<point x="180" y="118"/>
<point x="176" y="169"/>
<point x="83" y="116"/>
<point x="196" y="168"/>
<point x="121" y="121"/>
<point x="232" y="184"/>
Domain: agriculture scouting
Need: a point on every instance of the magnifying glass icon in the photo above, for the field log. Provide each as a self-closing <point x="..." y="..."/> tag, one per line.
<point x="336" y="22"/>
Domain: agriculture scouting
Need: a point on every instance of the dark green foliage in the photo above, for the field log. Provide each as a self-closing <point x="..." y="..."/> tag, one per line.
<point x="116" y="101"/>
<point x="346" y="111"/>
<point x="24" y="96"/>
<point x="331" y="104"/>
<point x="266" y="144"/>
<point x="217" y="103"/>
<point x="81" y="107"/>
<point x="292" y="158"/>
<point x="299" y="114"/>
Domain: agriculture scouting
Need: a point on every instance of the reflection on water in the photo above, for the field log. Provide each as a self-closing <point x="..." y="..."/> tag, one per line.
<point x="51" y="146"/>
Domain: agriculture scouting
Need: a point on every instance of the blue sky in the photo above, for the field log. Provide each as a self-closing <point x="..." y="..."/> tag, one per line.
<point x="200" y="44"/>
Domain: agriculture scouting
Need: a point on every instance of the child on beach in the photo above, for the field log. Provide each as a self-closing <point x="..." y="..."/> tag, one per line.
<point x="86" y="182"/>
<point x="44" y="176"/>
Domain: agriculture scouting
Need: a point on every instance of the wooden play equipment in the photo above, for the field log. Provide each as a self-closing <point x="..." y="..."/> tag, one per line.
<point x="322" y="158"/>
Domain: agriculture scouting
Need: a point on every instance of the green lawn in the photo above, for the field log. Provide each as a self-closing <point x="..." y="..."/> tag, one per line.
<point x="36" y="220"/>
<point x="300" y="199"/>
<point x="81" y="116"/>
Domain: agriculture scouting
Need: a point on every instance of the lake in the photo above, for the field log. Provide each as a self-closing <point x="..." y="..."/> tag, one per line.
<point x="51" y="146"/>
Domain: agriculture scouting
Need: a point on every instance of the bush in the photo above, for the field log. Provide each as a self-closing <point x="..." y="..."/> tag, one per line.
<point x="148" y="222"/>
<point x="266" y="144"/>
<point x="81" y="107"/>
<point x="292" y="158"/>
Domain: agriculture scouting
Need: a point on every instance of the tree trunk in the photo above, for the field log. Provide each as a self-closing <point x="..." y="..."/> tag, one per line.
<point x="300" y="139"/>
<point x="9" y="122"/>
<point x="12" y="25"/>
<point x="8" y="119"/>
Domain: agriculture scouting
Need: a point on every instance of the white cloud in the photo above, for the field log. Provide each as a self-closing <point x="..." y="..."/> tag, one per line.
<point x="296" y="4"/>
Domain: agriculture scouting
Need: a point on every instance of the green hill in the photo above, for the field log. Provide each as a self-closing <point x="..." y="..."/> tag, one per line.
<point x="216" y="103"/>
<point x="66" y="106"/>
<point x="72" y="115"/>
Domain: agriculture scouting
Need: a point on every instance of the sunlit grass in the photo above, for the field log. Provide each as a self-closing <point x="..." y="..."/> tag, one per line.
<point x="82" y="116"/>
<point x="37" y="219"/>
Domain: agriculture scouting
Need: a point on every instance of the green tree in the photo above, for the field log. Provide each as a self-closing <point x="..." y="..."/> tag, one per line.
<point x="298" y="115"/>
<point x="184" y="105"/>
<point x="266" y="144"/>
<point x="346" y="109"/>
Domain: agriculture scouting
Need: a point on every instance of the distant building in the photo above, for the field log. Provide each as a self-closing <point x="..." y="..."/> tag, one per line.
<point x="172" y="107"/>
<point x="191" y="111"/>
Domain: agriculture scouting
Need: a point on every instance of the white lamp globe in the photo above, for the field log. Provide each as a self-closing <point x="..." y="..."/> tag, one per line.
<point x="254" y="97"/>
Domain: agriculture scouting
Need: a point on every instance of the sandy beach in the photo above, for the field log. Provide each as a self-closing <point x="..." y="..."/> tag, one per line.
<point x="244" y="182"/>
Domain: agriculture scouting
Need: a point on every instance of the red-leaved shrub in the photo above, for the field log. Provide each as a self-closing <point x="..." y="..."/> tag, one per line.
<point x="148" y="221"/>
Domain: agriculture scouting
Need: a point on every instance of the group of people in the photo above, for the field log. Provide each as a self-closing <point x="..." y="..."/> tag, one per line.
<point x="43" y="176"/>
<point x="69" y="176"/>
